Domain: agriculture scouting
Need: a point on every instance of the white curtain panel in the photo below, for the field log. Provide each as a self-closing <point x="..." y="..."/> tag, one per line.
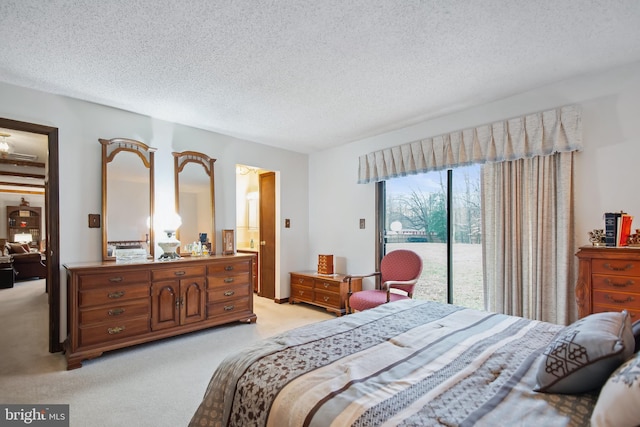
<point x="537" y="134"/>
<point x="528" y="238"/>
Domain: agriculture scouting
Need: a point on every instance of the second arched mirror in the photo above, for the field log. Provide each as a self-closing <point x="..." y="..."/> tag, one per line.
<point x="195" y="201"/>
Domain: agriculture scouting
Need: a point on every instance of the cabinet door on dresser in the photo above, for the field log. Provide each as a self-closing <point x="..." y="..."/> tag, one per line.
<point x="229" y="288"/>
<point x="177" y="297"/>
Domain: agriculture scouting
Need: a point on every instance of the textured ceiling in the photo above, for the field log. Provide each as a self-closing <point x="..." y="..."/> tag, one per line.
<point x="307" y="75"/>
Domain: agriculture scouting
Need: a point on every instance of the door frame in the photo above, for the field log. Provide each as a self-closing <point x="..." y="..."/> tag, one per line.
<point x="52" y="221"/>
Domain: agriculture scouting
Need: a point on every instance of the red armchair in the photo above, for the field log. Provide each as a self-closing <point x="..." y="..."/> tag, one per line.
<point x="399" y="269"/>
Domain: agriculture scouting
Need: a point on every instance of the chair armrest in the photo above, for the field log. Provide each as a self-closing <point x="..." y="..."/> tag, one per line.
<point x="390" y="283"/>
<point x="358" y="276"/>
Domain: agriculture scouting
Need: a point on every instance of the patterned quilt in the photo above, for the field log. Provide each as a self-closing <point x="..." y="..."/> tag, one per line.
<point x="407" y="363"/>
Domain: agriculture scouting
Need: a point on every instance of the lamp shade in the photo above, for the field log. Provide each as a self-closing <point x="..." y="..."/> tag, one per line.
<point x="23" y="237"/>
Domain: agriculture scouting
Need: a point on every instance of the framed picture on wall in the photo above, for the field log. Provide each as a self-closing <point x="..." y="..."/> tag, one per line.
<point x="227" y="242"/>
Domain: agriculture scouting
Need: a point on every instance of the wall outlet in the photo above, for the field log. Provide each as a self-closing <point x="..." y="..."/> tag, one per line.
<point x="287" y="223"/>
<point x="362" y="223"/>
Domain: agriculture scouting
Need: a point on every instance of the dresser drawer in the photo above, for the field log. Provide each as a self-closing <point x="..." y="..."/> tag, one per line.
<point x="616" y="283"/>
<point x="123" y="310"/>
<point x="111" y="331"/>
<point x="229" y="267"/>
<point x="327" y="286"/>
<point x="237" y="278"/>
<point x="228" y="308"/>
<point x="327" y="298"/>
<point x="301" y="281"/>
<point x="634" y="314"/>
<point x="222" y="294"/>
<point x="109" y="279"/>
<point x="113" y="295"/>
<point x="621" y="267"/>
<point x="178" y="273"/>
<point x="621" y="300"/>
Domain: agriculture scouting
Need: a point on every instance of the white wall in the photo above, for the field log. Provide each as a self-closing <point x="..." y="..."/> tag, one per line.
<point x="80" y="126"/>
<point x="605" y="175"/>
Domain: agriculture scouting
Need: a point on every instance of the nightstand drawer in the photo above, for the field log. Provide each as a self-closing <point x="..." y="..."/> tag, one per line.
<point x="301" y="281"/>
<point x="331" y="299"/>
<point x="302" y="293"/>
<point x="327" y="286"/>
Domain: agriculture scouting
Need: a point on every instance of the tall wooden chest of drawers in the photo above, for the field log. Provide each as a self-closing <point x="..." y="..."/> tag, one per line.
<point x="113" y="305"/>
<point x="608" y="280"/>
<point x="324" y="290"/>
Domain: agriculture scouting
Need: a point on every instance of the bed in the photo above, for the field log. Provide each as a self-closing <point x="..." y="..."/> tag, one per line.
<point x="409" y="363"/>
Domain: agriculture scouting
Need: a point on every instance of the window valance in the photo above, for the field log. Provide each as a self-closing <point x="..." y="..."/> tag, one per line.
<point x="537" y="134"/>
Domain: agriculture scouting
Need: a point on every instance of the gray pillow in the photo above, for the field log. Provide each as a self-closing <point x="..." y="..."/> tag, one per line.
<point x="583" y="355"/>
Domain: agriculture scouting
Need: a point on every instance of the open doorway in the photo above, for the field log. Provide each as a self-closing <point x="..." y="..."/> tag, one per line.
<point x="35" y="181"/>
<point x="255" y="224"/>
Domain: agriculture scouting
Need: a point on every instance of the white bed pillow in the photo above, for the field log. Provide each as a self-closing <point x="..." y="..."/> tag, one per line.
<point x="619" y="402"/>
<point x="583" y="355"/>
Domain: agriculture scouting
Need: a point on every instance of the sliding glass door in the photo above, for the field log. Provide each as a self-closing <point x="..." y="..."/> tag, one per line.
<point x="437" y="215"/>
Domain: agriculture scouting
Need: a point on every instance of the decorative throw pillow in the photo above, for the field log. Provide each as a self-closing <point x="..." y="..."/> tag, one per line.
<point x="635" y="327"/>
<point x="17" y="248"/>
<point x="619" y="401"/>
<point x="583" y="355"/>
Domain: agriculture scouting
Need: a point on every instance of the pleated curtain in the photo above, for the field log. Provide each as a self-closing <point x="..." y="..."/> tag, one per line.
<point x="527" y="204"/>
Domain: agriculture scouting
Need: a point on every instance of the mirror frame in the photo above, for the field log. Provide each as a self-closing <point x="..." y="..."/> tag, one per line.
<point x="110" y="148"/>
<point x="180" y="160"/>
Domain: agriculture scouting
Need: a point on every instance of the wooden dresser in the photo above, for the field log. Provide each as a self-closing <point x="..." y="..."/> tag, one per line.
<point x="608" y="280"/>
<point x="323" y="290"/>
<point x="112" y="305"/>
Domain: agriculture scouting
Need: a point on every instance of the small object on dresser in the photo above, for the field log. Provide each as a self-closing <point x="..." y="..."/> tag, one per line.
<point x="325" y="264"/>
<point x="597" y="238"/>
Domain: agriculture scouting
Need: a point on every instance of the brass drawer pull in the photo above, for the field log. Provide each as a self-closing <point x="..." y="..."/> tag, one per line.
<point x="228" y="280"/>
<point x="116" y="330"/>
<point x="229" y="293"/>
<point x="179" y="273"/>
<point x="116" y="279"/>
<point x="326" y="285"/>
<point x="618" y="301"/>
<point x="325" y="299"/>
<point x="619" y="285"/>
<point x="229" y="307"/>
<point x="116" y="311"/>
<point x="229" y="267"/>
<point x="301" y="281"/>
<point x="625" y="268"/>
<point x="115" y="295"/>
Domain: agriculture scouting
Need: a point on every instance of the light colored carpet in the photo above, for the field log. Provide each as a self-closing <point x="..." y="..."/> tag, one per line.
<point x="156" y="384"/>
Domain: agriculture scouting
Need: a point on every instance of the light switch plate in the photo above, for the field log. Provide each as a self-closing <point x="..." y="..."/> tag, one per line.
<point x="362" y="223"/>
<point x="94" y="220"/>
<point x="287" y="223"/>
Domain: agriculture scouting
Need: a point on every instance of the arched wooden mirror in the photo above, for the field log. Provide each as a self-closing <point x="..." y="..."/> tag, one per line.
<point x="195" y="199"/>
<point x="127" y="197"/>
